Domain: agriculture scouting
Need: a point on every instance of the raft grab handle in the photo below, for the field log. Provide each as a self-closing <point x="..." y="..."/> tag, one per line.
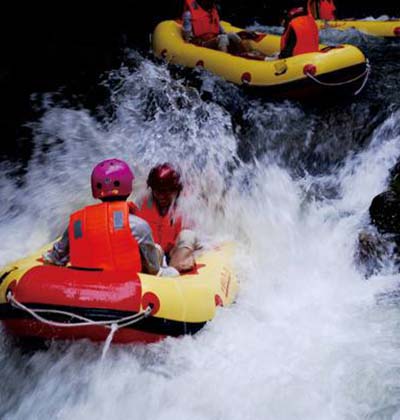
<point x="113" y="325"/>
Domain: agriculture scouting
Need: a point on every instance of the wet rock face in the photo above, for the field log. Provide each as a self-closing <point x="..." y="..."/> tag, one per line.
<point x="374" y="251"/>
<point x="385" y="207"/>
<point x="385" y="212"/>
<point x="380" y="244"/>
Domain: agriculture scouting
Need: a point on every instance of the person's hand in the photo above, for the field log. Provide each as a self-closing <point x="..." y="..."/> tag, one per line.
<point x="168" y="272"/>
<point x="187" y="36"/>
<point x="272" y="57"/>
<point x="234" y="36"/>
<point x="48" y="259"/>
<point x="250" y="35"/>
<point x="160" y="254"/>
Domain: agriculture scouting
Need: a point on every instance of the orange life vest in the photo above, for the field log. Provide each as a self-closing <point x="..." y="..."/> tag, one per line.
<point x="100" y="237"/>
<point x="327" y="10"/>
<point x="165" y="229"/>
<point x="306" y="31"/>
<point x="205" y="24"/>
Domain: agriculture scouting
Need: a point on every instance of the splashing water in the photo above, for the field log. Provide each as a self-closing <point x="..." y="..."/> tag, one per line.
<point x="305" y="339"/>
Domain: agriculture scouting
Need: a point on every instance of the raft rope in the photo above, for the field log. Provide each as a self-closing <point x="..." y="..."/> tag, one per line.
<point x="113" y="325"/>
<point x="365" y="73"/>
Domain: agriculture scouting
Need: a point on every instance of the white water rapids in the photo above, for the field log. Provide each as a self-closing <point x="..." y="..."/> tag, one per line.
<point x="305" y="339"/>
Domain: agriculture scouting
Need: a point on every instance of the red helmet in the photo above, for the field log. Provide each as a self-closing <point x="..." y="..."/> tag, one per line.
<point x="164" y="177"/>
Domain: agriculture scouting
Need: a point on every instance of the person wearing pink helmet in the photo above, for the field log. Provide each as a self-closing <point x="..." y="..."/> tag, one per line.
<point x="106" y="235"/>
<point x="159" y="209"/>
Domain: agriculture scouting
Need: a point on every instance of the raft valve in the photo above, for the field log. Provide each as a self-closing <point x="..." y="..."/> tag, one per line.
<point x="309" y="69"/>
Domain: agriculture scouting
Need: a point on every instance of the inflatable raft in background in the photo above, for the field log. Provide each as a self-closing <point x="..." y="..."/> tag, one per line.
<point x="333" y="71"/>
<point x="382" y="28"/>
<point x="50" y="302"/>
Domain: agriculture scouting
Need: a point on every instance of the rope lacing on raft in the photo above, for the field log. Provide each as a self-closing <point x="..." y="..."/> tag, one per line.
<point x="113" y="325"/>
<point x="365" y="74"/>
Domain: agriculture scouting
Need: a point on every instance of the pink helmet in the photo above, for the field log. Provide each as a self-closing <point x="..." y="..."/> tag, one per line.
<point x="112" y="178"/>
<point x="164" y="177"/>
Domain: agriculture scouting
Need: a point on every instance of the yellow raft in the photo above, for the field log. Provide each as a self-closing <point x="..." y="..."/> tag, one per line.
<point x="382" y="28"/>
<point x="337" y="70"/>
<point x="50" y="302"/>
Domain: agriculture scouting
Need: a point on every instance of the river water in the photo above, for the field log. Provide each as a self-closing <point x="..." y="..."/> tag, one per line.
<point x="291" y="184"/>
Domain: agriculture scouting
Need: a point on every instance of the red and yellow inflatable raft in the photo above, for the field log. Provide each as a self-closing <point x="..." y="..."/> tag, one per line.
<point x="50" y="302"/>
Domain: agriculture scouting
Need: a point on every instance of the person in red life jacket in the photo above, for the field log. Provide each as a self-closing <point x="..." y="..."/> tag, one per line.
<point x="301" y="33"/>
<point x="322" y="9"/>
<point x="201" y="26"/>
<point x="159" y="209"/>
<point x="327" y="10"/>
<point x="106" y="236"/>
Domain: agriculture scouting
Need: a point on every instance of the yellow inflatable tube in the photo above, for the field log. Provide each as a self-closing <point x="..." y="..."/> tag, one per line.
<point x="382" y="28"/>
<point x="337" y="70"/>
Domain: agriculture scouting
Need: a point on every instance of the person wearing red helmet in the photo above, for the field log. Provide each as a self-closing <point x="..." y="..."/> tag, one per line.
<point x="105" y="235"/>
<point x="159" y="209"/>
<point x="301" y="32"/>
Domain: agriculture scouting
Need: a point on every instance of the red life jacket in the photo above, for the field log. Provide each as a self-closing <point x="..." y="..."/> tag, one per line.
<point x="327" y="10"/>
<point x="165" y="229"/>
<point x="205" y="24"/>
<point x="100" y="237"/>
<point x="306" y="31"/>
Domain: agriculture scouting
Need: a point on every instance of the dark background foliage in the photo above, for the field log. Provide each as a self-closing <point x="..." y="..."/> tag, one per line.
<point x="68" y="46"/>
